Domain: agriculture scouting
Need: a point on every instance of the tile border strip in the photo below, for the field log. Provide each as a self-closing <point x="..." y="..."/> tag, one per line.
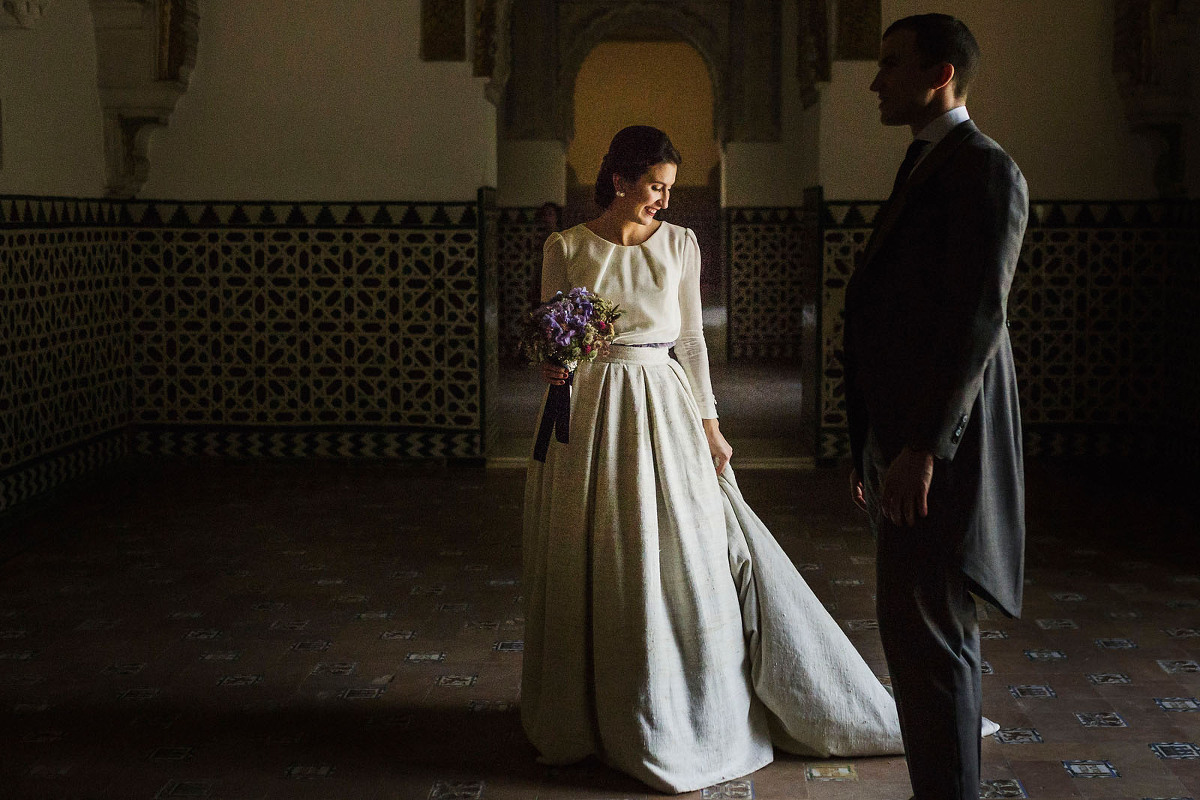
<point x="1118" y="214"/>
<point x="32" y="478"/>
<point x="272" y="442"/>
<point x="19" y="211"/>
<point x="1054" y="441"/>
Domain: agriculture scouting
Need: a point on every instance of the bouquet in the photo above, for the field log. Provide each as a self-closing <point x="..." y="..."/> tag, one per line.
<point x="569" y="329"/>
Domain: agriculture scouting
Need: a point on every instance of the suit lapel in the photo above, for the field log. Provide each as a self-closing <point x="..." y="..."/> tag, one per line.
<point x="891" y="210"/>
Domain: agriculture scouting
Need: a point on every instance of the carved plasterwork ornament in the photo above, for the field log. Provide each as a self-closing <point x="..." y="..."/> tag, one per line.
<point x="443" y="30"/>
<point x="22" y="13"/>
<point x="1153" y="43"/>
<point x="493" y="46"/>
<point x="549" y="41"/>
<point x="859" y="27"/>
<point x="812" y="47"/>
<point x="145" y="52"/>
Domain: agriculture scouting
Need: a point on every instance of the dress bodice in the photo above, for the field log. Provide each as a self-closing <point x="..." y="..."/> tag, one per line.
<point x="656" y="284"/>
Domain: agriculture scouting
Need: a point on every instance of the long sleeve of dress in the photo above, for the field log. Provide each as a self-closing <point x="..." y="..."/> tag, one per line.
<point x="690" y="348"/>
<point x="554" y="266"/>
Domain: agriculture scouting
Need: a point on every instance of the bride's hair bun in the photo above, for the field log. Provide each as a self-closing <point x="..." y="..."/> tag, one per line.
<point x="632" y="151"/>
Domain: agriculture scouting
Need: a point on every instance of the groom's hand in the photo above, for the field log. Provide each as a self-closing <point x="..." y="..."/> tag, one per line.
<point x="856" y="490"/>
<point x="906" y="487"/>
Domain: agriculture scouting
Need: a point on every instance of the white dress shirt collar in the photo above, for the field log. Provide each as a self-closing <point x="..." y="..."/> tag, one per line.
<point x="935" y="131"/>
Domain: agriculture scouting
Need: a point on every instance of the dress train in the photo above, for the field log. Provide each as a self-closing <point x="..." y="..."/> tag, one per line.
<point x="821" y="697"/>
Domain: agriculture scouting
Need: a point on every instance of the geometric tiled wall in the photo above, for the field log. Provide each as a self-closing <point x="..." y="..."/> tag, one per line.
<point x="844" y="232"/>
<point x="363" y="329"/>
<point x="773" y="272"/>
<point x="245" y="329"/>
<point x="521" y="238"/>
<point x="1087" y="318"/>
<point x="335" y="319"/>
<point x="1098" y="313"/>
<point x="64" y="342"/>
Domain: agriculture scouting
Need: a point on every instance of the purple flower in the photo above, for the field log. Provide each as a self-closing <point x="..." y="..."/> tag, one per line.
<point x="569" y="328"/>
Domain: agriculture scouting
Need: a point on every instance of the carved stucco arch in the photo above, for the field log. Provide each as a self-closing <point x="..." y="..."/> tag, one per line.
<point x="739" y="42"/>
<point x="581" y="38"/>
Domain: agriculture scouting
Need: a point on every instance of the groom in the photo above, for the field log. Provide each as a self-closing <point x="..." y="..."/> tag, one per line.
<point x="932" y="398"/>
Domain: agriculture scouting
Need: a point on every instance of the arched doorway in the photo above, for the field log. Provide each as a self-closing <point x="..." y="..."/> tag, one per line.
<point x="630" y="80"/>
<point x="541" y="118"/>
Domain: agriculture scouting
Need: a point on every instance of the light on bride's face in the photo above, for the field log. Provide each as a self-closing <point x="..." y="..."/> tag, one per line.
<point x="650" y="195"/>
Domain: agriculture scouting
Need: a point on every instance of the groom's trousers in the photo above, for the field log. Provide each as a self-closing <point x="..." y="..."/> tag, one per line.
<point x="930" y="633"/>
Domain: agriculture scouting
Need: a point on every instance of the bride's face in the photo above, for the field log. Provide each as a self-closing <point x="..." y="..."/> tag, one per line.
<point x="650" y="194"/>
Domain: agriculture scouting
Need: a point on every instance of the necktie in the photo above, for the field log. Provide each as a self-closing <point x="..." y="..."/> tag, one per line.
<point x="911" y="157"/>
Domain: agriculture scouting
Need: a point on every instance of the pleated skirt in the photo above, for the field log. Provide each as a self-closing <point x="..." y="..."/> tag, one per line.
<point x="634" y="647"/>
<point x="666" y="631"/>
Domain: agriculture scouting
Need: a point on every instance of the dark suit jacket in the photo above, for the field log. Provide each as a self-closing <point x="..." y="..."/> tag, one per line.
<point x="927" y="354"/>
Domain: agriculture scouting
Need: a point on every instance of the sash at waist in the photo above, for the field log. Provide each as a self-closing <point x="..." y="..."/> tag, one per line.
<point x="637" y="353"/>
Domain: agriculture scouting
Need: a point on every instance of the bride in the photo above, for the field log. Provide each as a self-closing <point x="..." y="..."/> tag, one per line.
<point x="666" y="632"/>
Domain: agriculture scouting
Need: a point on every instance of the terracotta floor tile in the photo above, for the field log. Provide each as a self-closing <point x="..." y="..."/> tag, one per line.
<point x="207" y="611"/>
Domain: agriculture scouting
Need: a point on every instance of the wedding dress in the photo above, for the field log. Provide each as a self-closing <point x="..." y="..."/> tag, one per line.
<point x="667" y="632"/>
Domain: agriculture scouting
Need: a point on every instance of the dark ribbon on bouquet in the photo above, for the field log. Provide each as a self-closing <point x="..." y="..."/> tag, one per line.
<point x="556" y="417"/>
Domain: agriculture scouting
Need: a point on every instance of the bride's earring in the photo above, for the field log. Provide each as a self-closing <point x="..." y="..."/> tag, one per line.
<point x="620" y="194"/>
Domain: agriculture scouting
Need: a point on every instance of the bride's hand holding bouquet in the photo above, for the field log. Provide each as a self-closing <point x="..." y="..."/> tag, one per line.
<point x="568" y="330"/>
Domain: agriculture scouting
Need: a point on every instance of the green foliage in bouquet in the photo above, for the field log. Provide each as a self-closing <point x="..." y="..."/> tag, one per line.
<point x="569" y="329"/>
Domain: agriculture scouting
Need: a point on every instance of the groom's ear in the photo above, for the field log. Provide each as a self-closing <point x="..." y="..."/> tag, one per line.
<point x="944" y="76"/>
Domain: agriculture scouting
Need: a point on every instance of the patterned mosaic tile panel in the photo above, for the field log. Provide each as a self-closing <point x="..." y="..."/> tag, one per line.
<point x="847" y="227"/>
<point x="273" y="442"/>
<point x="268" y="215"/>
<point x="519" y="269"/>
<point x="1087" y="314"/>
<point x="772" y="278"/>
<point x="1089" y="322"/>
<point x="19" y="212"/>
<point x="30" y="479"/>
<point x="293" y="326"/>
<point x="489" y="322"/>
<point x="241" y="329"/>
<point x="327" y="321"/>
<point x="64" y="353"/>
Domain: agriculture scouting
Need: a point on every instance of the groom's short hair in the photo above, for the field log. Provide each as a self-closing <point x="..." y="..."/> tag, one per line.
<point x="943" y="38"/>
